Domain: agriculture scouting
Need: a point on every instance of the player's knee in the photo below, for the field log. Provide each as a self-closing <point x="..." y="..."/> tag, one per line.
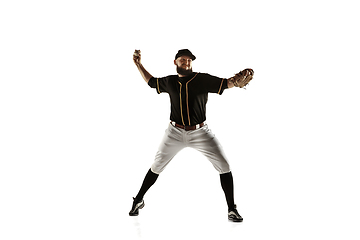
<point x="222" y="167"/>
<point x="155" y="170"/>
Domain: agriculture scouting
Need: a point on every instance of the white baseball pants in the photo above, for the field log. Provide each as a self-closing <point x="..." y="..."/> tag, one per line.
<point x="202" y="139"/>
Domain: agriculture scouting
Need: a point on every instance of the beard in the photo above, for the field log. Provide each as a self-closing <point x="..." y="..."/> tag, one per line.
<point x="182" y="71"/>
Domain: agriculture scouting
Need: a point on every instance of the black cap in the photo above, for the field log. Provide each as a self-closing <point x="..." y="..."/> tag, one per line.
<point x="185" y="52"/>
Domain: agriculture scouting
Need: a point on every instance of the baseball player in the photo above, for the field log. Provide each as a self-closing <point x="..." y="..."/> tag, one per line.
<point x="188" y="93"/>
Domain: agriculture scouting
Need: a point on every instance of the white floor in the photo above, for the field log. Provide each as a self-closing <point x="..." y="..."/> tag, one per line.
<point x="95" y="206"/>
<point x="93" y="201"/>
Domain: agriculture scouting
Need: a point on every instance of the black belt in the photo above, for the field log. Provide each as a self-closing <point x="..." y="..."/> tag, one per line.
<point x="188" y="128"/>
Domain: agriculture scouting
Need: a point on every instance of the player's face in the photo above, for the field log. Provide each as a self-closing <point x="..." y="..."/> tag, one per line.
<point x="183" y="65"/>
<point x="184" y="62"/>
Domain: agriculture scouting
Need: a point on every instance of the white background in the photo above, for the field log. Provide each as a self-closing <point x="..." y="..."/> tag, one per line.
<point x="79" y="128"/>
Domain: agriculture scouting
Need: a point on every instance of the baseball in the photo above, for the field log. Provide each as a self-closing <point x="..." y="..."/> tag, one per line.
<point x="137" y="53"/>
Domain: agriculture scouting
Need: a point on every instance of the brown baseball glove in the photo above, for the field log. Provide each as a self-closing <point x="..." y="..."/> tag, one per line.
<point x="242" y="78"/>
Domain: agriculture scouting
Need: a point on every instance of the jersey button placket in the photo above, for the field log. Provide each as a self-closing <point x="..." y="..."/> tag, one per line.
<point x="182" y="99"/>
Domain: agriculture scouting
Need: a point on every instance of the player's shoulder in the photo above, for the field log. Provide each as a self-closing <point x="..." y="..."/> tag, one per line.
<point x="173" y="78"/>
<point x="202" y="73"/>
<point x="167" y="78"/>
<point x="206" y="75"/>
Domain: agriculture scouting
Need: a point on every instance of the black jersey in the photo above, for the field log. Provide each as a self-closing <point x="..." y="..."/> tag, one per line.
<point x="189" y="95"/>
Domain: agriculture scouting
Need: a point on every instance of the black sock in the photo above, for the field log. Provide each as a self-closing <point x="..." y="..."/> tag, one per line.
<point x="149" y="180"/>
<point x="227" y="185"/>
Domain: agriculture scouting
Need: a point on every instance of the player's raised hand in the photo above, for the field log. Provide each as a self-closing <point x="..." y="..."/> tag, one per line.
<point x="137" y="57"/>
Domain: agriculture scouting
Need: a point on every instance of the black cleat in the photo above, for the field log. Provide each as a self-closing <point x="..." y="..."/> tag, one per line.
<point x="234" y="216"/>
<point x="136" y="206"/>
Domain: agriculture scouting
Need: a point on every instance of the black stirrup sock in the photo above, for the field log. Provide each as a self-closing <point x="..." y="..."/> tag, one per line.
<point x="149" y="180"/>
<point x="227" y="185"/>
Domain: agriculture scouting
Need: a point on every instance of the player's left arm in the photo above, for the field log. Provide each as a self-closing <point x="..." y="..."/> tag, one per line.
<point x="230" y="83"/>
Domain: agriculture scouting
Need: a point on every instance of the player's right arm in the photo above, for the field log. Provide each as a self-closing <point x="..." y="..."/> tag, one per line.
<point x="137" y="60"/>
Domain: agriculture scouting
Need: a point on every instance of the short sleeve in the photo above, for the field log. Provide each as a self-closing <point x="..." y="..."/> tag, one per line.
<point x="215" y="84"/>
<point x="160" y="84"/>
